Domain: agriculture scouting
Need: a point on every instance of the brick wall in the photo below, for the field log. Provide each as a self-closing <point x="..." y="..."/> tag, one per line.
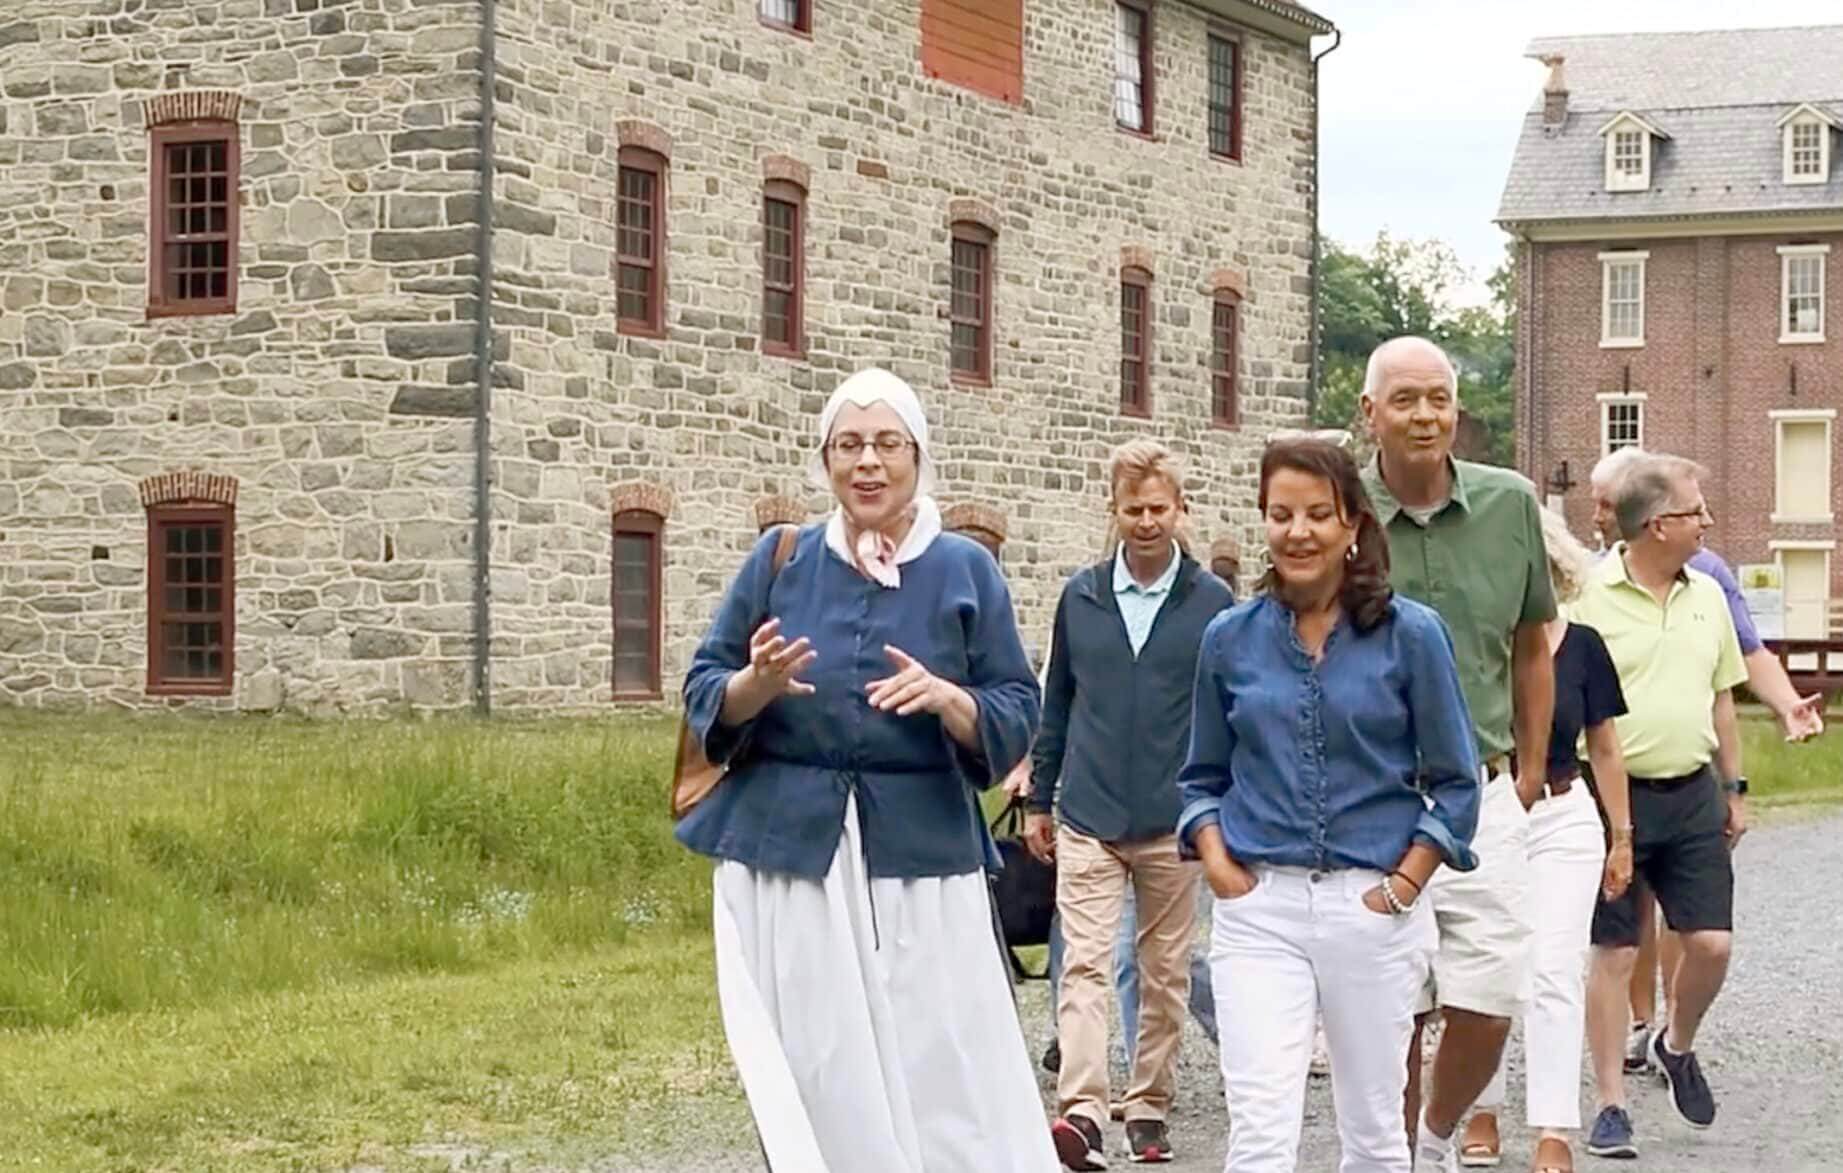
<point x="1712" y="366"/>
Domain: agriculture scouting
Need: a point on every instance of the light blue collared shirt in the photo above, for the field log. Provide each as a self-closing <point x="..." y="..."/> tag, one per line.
<point x="1139" y="605"/>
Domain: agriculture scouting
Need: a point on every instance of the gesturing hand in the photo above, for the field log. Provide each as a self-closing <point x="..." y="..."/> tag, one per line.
<point x="775" y="665"/>
<point x="913" y="689"/>
<point x="1805" y="719"/>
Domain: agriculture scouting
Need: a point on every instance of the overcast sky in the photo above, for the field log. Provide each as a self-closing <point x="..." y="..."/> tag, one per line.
<point x="1424" y="98"/>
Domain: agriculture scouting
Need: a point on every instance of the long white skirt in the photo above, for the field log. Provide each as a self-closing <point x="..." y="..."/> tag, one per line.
<point x="885" y="1049"/>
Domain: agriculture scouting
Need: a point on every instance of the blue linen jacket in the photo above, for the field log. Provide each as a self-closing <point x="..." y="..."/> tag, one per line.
<point x="781" y="805"/>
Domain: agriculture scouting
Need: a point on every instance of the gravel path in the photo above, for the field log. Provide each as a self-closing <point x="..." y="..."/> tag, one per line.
<point x="1772" y="1048"/>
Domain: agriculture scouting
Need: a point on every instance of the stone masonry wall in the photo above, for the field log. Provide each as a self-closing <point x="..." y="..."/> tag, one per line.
<point x="1712" y="368"/>
<point x="705" y="416"/>
<point x="357" y="130"/>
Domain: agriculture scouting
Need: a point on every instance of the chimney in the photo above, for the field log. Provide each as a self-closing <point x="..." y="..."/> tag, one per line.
<point x="1554" y="94"/>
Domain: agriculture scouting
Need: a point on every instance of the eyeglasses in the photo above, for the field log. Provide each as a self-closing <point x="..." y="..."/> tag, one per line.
<point x="1699" y="511"/>
<point x="887" y="444"/>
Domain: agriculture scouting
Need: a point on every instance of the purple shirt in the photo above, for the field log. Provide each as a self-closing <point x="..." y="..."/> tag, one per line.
<point x="1710" y="563"/>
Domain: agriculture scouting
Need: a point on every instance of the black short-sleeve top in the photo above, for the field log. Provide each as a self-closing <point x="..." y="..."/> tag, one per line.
<point x="1586" y="693"/>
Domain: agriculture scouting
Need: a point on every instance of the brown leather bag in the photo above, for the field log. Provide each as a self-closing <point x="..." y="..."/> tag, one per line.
<point x="694" y="776"/>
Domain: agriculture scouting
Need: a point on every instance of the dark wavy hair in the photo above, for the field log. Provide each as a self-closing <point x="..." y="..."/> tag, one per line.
<point x="1365" y="592"/>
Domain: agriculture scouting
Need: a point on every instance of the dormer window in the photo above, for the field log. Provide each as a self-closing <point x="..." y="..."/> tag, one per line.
<point x="1628" y="152"/>
<point x="1806" y="145"/>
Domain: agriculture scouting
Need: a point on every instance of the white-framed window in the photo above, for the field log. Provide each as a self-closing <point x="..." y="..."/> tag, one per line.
<point x="1622" y="298"/>
<point x="1805" y="137"/>
<point x="1628" y="158"/>
<point x="1807" y="151"/>
<point x="1801" y="292"/>
<point x="1802" y="460"/>
<point x="1622" y="421"/>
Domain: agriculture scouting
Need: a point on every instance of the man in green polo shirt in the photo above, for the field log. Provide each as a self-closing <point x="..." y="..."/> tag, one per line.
<point x="1466" y="539"/>
<point x="1672" y="638"/>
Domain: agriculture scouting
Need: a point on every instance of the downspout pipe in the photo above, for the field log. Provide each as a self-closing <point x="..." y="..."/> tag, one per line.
<point x="483" y="369"/>
<point x="1312" y="371"/>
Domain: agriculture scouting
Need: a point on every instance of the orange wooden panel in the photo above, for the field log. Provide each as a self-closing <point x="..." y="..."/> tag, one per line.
<point x="978" y="44"/>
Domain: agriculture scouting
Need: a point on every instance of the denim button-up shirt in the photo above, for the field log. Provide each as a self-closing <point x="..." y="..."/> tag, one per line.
<point x="1339" y="764"/>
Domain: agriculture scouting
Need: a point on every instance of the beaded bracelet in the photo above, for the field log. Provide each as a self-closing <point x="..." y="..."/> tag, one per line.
<point x="1396" y="907"/>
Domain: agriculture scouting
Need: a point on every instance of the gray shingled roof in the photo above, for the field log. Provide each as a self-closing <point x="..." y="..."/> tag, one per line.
<point x="1719" y="95"/>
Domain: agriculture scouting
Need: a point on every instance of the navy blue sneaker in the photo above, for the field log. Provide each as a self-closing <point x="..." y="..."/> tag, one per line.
<point x="1688" y="1090"/>
<point x="1612" y="1135"/>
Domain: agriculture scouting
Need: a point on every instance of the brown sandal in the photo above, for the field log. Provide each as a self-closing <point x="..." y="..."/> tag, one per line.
<point x="1553" y="1156"/>
<point x="1480" y="1147"/>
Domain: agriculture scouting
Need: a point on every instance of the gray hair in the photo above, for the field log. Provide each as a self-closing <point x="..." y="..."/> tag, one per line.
<point x="1372" y="373"/>
<point x="1614" y="466"/>
<point x="1648" y="487"/>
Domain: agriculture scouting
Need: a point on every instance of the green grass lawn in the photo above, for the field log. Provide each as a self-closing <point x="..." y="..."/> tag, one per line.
<point x="264" y="944"/>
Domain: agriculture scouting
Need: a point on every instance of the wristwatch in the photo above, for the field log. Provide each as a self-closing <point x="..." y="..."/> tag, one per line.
<point x="1738" y="786"/>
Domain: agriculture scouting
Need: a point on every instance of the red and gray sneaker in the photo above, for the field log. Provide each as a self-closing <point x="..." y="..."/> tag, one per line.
<point x="1148" y="1142"/>
<point x="1078" y="1143"/>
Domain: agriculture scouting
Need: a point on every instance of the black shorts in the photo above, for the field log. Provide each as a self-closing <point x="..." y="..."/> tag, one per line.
<point x="1680" y="854"/>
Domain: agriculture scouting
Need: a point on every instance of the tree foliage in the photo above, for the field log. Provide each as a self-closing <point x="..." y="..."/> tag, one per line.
<point x="1406" y="287"/>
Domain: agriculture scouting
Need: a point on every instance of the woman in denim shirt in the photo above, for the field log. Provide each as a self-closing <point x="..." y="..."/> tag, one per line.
<point x="861" y="698"/>
<point x="1331" y="770"/>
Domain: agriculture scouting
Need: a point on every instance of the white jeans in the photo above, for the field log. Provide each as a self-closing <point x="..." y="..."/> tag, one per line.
<point x="1300" y="944"/>
<point x="1483" y="961"/>
<point x="1567" y="854"/>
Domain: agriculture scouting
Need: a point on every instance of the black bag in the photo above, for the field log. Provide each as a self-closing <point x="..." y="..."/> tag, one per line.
<point x="1023" y="892"/>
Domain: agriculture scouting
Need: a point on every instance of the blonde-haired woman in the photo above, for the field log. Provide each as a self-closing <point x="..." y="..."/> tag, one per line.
<point x="1570" y="866"/>
<point x="860" y="697"/>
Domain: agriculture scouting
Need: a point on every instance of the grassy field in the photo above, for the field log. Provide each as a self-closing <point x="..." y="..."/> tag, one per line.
<point x="262" y="944"/>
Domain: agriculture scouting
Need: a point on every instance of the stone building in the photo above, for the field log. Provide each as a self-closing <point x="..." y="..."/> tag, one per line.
<point x="1676" y="200"/>
<point x="263" y="445"/>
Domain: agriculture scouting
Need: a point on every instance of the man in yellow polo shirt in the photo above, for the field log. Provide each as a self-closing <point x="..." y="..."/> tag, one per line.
<point x="1671" y="637"/>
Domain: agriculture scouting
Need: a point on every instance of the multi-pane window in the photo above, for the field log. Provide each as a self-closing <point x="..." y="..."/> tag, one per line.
<point x="1629" y="152"/>
<point x="640" y="241"/>
<point x="783" y="268"/>
<point x="1225" y="323"/>
<point x="1622" y="313"/>
<point x="1135" y="341"/>
<point x="1132" y="70"/>
<point x="1802" y="281"/>
<point x="970" y="304"/>
<point x="191" y="603"/>
<point x="636" y="596"/>
<point x="1225" y="97"/>
<point x="1622" y="424"/>
<point x="792" y="14"/>
<point x="194" y="212"/>
<point x="1807" y="149"/>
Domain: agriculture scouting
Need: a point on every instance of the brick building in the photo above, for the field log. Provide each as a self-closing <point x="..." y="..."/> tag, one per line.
<point x="263" y="444"/>
<point x="1676" y="201"/>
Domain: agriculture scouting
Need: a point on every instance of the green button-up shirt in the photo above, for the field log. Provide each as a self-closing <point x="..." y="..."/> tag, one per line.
<point x="1480" y="562"/>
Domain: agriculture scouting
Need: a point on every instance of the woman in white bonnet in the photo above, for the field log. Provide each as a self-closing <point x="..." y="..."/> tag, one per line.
<point x="861" y="697"/>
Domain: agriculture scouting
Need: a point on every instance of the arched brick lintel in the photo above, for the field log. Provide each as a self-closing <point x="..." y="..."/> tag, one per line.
<point x="642" y="497"/>
<point x="637" y="132"/>
<point x="1226" y="280"/>
<point x="778" y="510"/>
<point x="967" y="209"/>
<point x="193" y="106"/>
<point x="169" y="488"/>
<point x="1136" y="256"/>
<point x="787" y="168"/>
<point x="976" y="515"/>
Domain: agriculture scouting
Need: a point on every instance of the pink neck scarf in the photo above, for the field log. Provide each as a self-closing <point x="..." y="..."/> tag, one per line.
<point x="876" y="557"/>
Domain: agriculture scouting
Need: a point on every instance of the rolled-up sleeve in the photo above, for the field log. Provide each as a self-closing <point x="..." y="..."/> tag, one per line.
<point x="724" y="651"/>
<point x="1206" y="776"/>
<point x="1001" y="683"/>
<point x="1442" y="729"/>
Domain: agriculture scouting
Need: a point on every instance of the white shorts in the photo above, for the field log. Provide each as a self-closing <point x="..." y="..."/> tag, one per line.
<point x="1485" y="931"/>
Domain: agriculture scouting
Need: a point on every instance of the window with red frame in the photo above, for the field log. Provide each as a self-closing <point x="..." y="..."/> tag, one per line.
<point x="1132" y="65"/>
<point x="794" y="15"/>
<point x="1225" y="98"/>
<point x="783" y="268"/>
<point x="191" y="599"/>
<point x="1225" y="324"/>
<point x="1135" y="341"/>
<point x="636" y="597"/>
<point x="640" y="234"/>
<point x="970" y="308"/>
<point x="193" y="209"/>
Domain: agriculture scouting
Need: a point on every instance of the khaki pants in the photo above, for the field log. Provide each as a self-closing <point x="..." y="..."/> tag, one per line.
<point x="1091" y="879"/>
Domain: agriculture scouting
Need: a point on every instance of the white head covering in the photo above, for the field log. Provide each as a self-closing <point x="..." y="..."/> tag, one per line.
<point x="868" y="386"/>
